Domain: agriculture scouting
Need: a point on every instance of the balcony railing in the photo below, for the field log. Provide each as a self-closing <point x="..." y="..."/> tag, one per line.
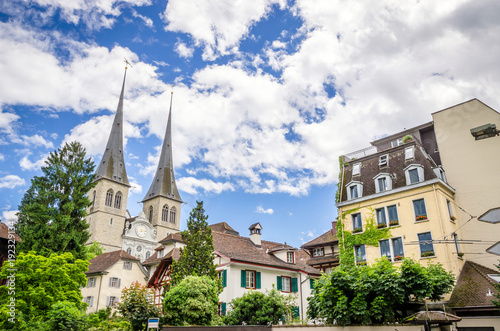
<point x="361" y="153"/>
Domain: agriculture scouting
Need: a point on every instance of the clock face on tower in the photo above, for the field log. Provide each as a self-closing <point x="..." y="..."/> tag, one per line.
<point x="141" y="231"/>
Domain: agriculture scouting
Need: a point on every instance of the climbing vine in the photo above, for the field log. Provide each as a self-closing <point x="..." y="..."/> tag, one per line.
<point x="347" y="240"/>
<point x="339" y="183"/>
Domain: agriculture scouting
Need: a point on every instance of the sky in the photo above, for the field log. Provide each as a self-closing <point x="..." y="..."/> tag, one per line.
<point x="267" y="93"/>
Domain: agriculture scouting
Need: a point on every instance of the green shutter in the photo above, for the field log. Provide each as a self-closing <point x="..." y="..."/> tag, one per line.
<point x="278" y="283"/>
<point x="296" y="311"/>
<point x="224" y="278"/>
<point x="223" y="306"/>
<point x="243" y="278"/>
<point x="311" y="283"/>
<point x="257" y="280"/>
<point x="295" y="285"/>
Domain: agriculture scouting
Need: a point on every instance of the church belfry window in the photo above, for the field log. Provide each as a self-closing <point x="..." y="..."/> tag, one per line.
<point x="172" y="215"/>
<point x="109" y="198"/>
<point x="150" y="214"/>
<point x="118" y="200"/>
<point x="164" y="213"/>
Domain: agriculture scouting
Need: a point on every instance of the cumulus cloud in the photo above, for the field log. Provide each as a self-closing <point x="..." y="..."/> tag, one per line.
<point x="183" y="50"/>
<point x="261" y="210"/>
<point x="11" y="181"/>
<point x="135" y="188"/>
<point x="9" y="216"/>
<point x="26" y="164"/>
<point x="191" y="185"/>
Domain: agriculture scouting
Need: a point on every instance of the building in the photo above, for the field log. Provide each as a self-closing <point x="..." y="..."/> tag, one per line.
<point x="324" y="251"/>
<point x="244" y="263"/>
<point x="8" y="238"/>
<point x="108" y="274"/>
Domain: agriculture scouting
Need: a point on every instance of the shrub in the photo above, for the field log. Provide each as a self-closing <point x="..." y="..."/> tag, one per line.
<point x="66" y="316"/>
<point x="137" y="305"/>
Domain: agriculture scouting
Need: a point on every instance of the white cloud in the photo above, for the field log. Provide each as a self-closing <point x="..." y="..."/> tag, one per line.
<point x="191" y="185"/>
<point x="11" y="181"/>
<point x="135" y="188"/>
<point x="218" y="26"/>
<point x="261" y="210"/>
<point x="32" y="141"/>
<point x="2" y="157"/>
<point x="26" y="164"/>
<point x="183" y="50"/>
<point x="147" y="21"/>
<point x="9" y="217"/>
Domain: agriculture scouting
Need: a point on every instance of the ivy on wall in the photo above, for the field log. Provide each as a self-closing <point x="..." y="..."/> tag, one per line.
<point x="339" y="183"/>
<point x="347" y="240"/>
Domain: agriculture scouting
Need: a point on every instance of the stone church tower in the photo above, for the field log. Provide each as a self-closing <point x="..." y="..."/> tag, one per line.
<point x="108" y="211"/>
<point x="162" y="204"/>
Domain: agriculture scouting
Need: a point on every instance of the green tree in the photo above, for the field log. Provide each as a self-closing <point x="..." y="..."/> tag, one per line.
<point x="93" y="250"/>
<point x="192" y="302"/>
<point x="137" y="305"/>
<point x="51" y="217"/>
<point x="197" y="257"/>
<point x="38" y="282"/>
<point x="373" y="294"/>
<point x="65" y="316"/>
<point x="257" y="308"/>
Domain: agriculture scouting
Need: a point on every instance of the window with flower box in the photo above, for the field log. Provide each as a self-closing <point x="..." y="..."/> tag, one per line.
<point x="387" y="216"/>
<point x="381" y="218"/>
<point x="419" y="210"/>
<point x="360" y="254"/>
<point x="392" y="249"/>
<point x="426" y="246"/>
<point x="450" y="211"/>
<point x="357" y="225"/>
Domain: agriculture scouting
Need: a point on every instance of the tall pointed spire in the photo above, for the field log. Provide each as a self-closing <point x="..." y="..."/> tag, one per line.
<point x="112" y="165"/>
<point x="164" y="180"/>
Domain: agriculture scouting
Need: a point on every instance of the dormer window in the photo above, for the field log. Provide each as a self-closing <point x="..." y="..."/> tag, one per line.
<point x="383" y="182"/>
<point x="290" y="258"/>
<point x="440" y="173"/>
<point x="383" y="160"/>
<point x="354" y="190"/>
<point x="356" y="169"/>
<point x="414" y="173"/>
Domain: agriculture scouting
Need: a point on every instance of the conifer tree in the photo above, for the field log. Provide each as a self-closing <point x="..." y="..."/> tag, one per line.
<point x="197" y="258"/>
<point x="51" y="217"/>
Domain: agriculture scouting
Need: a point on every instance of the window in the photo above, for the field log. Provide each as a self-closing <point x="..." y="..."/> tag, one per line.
<point x="450" y="211"/>
<point x="127" y="265"/>
<point x="111" y="301"/>
<point x="409" y="153"/>
<point x="382" y="184"/>
<point x="397" y="248"/>
<point x="414" y="173"/>
<point x="286" y="283"/>
<point x="91" y="282"/>
<point x="419" y="210"/>
<point x="250" y="279"/>
<point x="425" y="243"/>
<point x="110" y="221"/>
<point x="381" y="219"/>
<point x="172" y="215"/>
<point x="357" y="225"/>
<point x="440" y="173"/>
<point x="290" y="257"/>
<point x="148" y="254"/>
<point x="164" y="213"/>
<point x="89" y="301"/>
<point x="392" y="249"/>
<point x="109" y="198"/>
<point x="150" y="218"/>
<point x="118" y="200"/>
<point x="397" y="142"/>
<point x="354" y="190"/>
<point x="392" y="212"/>
<point x="385" y="249"/>
<point x="129" y="250"/>
<point x="360" y="253"/>
<point x="221" y="309"/>
<point x="93" y="199"/>
<point x="457" y="245"/>
<point x="320" y="251"/>
<point x="356" y="169"/>
<point x="114" y="282"/>
<point x="383" y="160"/>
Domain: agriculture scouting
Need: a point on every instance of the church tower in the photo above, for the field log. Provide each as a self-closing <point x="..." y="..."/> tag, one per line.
<point x="162" y="203"/>
<point x="108" y="211"/>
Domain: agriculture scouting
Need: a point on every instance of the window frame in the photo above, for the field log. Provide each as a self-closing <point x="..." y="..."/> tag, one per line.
<point x="357" y="167"/>
<point x="420" y="173"/>
<point x="89" y="300"/>
<point x="292" y="255"/>
<point x="359" y="190"/>
<point x="420" y="245"/>
<point x="409" y="153"/>
<point x="118" y="200"/>
<point x="127" y="265"/>
<point x="91" y="281"/>
<point x="289" y="284"/>
<point x="317" y="250"/>
<point x="114" y="282"/>
<point x="164" y="213"/>
<point x="450" y="211"/>
<point x="108" y="202"/>
<point x="354" y="218"/>
<point x="415" y="211"/>
<point x="112" y="301"/>
<point x="150" y="214"/>
<point x="172" y="215"/>
<point x="356" y="247"/>
<point x="382" y="212"/>
<point x="383" y="160"/>
<point x="254" y="273"/>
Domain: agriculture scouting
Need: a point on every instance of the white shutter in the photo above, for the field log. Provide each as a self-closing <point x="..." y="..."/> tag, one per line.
<point x="107" y="301"/>
<point x="91" y="301"/>
<point x="119" y="282"/>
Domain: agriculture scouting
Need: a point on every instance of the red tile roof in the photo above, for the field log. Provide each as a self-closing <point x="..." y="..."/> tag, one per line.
<point x="104" y="261"/>
<point x="224" y="227"/>
<point x="155" y="259"/>
<point x="171" y="237"/>
<point x="329" y="236"/>
<point x="4" y="232"/>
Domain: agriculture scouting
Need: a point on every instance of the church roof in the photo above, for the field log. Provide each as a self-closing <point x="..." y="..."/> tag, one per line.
<point x="164" y="180"/>
<point x="4" y="232"/>
<point x="104" y="261"/>
<point x="112" y="165"/>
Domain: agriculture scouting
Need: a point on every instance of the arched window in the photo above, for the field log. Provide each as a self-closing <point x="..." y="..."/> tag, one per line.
<point x="109" y="198"/>
<point x="148" y="254"/>
<point x="150" y="214"/>
<point x="118" y="200"/>
<point x="129" y="250"/>
<point x="164" y="213"/>
<point x="172" y="215"/>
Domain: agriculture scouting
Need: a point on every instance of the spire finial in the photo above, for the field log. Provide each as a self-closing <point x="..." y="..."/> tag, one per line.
<point x="127" y="63"/>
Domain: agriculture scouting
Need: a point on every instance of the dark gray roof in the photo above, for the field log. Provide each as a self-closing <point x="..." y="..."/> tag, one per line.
<point x="112" y="165"/>
<point x="164" y="180"/>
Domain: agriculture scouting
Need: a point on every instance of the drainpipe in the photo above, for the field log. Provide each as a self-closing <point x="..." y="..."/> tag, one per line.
<point x="442" y="227"/>
<point x="301" y="298"/>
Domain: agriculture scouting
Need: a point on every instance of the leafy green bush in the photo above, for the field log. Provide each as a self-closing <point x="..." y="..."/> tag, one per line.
<point x="192" y="302"/>
<point x="257" y="308"/>
<point x="102" y="320"/>
<point x="66" y="316"/>
<point x="137" y="305"/>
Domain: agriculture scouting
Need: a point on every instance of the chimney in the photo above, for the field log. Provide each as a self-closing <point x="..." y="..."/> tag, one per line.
<point x="255" y="234"/>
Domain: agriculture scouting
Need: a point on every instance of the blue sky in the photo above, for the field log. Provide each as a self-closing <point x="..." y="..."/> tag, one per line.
<point x="267" y="93"/>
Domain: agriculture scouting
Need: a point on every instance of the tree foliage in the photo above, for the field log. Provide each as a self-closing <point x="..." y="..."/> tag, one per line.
<point x="257" y="308"/>
<point x="51" y="217"/>
<point x="197" y="257"/>
<point x="137" y="305"/>
<point x="192" y="302"/>
<point x="38" y="283"/>
<point x="374" y="294"/>
<point x="65" y="316"/>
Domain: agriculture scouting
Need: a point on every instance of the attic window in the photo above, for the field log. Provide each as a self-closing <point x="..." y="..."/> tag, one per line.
<point x="290" y="258"/>
<point x="356" y="168"/>
<point x="397" y="142"/>
<point x="318" y="251"/>
<point x="383" y="160"/>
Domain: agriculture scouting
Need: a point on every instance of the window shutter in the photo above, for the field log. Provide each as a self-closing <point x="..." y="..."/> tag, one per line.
<point x="107" y="301"/>
<point x="224" y="278"/>
<point x="279" y="286"/>
<point x="295" y="286"/>
<point x="119" y="282"/>
<point x="110" y="279"/>
<point x="311" y="283"/>
<point x="91" y="301"/>
<point x="257" y="280"/>
<point x="243" y="278"/>
<point x="296" y="311"/>
<point x="223" y="308"/>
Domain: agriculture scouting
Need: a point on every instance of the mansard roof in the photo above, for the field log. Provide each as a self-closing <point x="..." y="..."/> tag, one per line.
<point x="164" y="181"/>
<point x="112" y="165"/>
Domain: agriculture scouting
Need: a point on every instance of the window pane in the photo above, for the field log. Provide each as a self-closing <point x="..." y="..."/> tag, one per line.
<point x="450" y="210"/>
<point x="354" y="192"/>
<point x="393" y="213"/>
<point x="381" y="216"/>
<point x="360" y="253"/>
<point x="425" y="241"/>
<point x="413" y="176"/>
<point x="397" y="246"/>
<point x="419" y="206"/>
<point x="382" y="184"/>
<point x="385" y="250"/>
<point x="356" y="221"/>
<point x="285" y="282"/>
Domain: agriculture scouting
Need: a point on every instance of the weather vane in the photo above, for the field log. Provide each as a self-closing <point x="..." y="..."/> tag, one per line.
<point x="127" y="63"/>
